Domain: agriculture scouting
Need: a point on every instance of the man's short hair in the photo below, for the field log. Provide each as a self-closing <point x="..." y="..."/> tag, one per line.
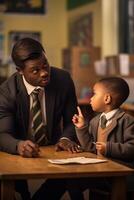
<point x="117" y="87"/>
<point x="26" y="49"/>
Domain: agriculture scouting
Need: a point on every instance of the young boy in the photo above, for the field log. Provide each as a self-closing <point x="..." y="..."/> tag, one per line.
<point x="110" y="133"/>
<point x="114" y="137"/>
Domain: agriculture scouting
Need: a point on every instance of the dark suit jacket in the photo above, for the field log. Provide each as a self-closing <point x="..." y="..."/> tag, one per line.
<point x="14" y="109"/>
<point x="120" y="140"/>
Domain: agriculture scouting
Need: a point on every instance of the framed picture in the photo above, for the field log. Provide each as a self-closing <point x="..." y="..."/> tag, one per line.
<point x="23" y="6"/>
<point x="14" y="36"/>
<point x="81" y="31"/>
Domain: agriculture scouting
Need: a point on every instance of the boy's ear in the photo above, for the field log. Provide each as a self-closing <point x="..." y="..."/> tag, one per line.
<point x="108" y="98"/>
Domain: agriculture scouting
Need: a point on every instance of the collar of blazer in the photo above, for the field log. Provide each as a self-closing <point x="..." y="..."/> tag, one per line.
<point x="95" y="123"/>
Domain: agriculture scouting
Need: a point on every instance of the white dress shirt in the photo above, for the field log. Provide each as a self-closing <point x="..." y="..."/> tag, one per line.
<point x="30" y="89"/>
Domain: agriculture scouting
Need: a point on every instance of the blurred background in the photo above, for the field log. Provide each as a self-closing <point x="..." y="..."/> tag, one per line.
<point x="89" y="38"/>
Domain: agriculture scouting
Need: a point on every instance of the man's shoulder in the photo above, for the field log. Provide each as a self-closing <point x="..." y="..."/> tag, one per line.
<point x="9" y="85"/>
<point x="59" y="71"/>
<point x="12" y="78"/>
<point x="59" y="75"/>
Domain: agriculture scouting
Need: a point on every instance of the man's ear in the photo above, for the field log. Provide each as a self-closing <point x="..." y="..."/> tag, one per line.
<point x="19" y="70"/>
<point x="108" y="98"/>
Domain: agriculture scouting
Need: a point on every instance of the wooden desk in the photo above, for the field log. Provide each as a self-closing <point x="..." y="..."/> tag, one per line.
<point x="15" y="167"/>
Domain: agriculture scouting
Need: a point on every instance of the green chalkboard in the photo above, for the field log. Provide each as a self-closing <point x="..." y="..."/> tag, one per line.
<point x="71" y="4"/>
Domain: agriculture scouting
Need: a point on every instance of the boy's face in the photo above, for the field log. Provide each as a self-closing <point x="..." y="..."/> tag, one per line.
<point x="100" y="98"/>
<point x="37" y="71"/>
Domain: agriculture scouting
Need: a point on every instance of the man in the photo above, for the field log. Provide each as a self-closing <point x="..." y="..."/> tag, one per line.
<point x="20" y="111"/>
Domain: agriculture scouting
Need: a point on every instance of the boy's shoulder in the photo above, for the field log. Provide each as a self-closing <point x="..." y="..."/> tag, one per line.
<point x="126" y="117"/>
<point x="121" y="114"/>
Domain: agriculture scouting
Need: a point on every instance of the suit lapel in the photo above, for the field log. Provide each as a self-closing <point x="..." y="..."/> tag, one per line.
<point x="118" y="115"/>
<point x="95" y="127"/>
<point x="112" y="125"/>
<point x="50" y="92"/>
<point x="23" y="103"/>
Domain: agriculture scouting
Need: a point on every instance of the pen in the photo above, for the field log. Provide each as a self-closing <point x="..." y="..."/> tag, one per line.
<point x="94" y="143"/>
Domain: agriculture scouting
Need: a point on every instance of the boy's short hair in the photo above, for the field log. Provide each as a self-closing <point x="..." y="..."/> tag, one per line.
<point x="117" y="87"/>
<point x="26" y="49"/>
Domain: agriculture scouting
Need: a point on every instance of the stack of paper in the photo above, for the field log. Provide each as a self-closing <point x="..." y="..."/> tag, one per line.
<point x="78" y="160"/>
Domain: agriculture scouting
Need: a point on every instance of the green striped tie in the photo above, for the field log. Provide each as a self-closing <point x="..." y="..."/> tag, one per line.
<point x="39" y="130"/>
<point x="103" y="121"/>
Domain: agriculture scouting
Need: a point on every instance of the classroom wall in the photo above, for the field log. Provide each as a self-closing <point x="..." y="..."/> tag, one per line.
<point x="54" y="27"/>
<point x="105" y="24"/>
<point x="95" y="8"/>
<point x="110" y="27"/>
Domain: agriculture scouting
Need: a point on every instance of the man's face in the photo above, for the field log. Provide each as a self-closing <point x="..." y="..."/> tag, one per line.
<point x="37" y="71"/>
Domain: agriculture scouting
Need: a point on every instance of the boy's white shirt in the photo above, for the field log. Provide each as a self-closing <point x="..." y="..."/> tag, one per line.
<point x="109" y="116"/>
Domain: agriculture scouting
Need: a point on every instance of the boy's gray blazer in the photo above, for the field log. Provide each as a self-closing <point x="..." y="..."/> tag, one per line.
<point x="120" y="140"/>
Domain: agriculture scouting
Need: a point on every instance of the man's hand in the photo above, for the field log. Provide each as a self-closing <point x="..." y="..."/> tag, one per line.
<point x="78" y="119"/>
<point x="28" y="149"/>
<point x="68" y="145"/>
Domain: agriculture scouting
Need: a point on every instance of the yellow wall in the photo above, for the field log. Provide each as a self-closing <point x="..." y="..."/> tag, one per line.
<point x="52" y="25"/>
<point x="109" y="27"/>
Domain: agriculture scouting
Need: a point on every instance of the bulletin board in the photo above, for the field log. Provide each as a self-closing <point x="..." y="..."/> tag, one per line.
<point x="81" y="30"/>
<point x="72" y="4"/>
<point x="23" y="7"/>
<point x="14" y="36"/>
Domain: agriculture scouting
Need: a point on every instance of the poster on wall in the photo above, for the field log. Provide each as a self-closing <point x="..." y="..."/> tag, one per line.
<point x="77" y="3"/>
<point x="23" y="6"/>
<point x="14" y="36"/>
<point x="81" y="30"/>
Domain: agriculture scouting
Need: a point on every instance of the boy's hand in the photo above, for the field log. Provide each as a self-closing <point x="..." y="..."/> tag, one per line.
<point x="101" y="147"/>
<point x="28" y="149"/>
<point x="78" y="119"/>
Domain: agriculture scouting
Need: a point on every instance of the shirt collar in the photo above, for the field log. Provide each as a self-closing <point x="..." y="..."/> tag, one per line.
<point x="110" y="114"/>
<point x="30" y="88"/>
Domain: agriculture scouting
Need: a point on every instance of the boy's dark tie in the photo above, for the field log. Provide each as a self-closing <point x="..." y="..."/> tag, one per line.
<point x="39" y="129"/>
<point x="103" y="121"/>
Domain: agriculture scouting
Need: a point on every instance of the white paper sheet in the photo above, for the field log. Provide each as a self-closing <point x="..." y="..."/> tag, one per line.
<point x="78" y="160"/>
